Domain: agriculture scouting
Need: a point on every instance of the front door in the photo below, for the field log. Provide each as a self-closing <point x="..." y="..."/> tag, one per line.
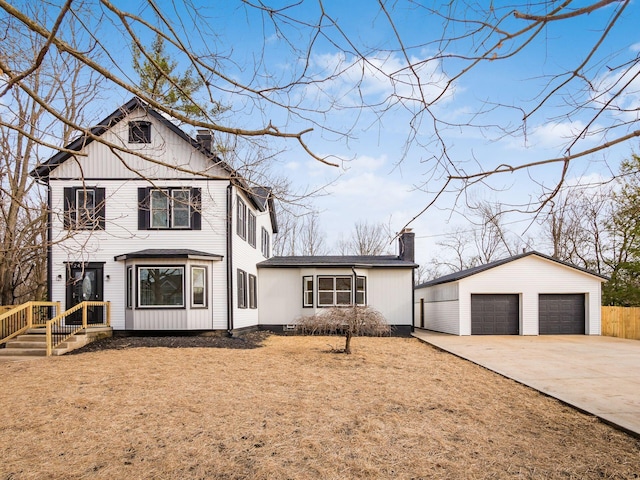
<point x="84" y="284"/>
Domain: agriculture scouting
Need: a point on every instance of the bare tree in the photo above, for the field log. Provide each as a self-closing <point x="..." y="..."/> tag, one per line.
<point x="27" y="128"/>
<point x="348" y="321"/>
<point x="299" y="233"/>
<point x="484" y="240"/>
<point x="594" y="94"/>
<point x="366" y="239"/>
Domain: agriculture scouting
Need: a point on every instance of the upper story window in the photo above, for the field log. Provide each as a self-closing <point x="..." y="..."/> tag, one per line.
<point x="140" y="132"/>
<point x="266" y="243"/>
<point x="241" y="227"/>
<point x="251" y="229"/>
<point x="84" y="208"/>
<point x="175" y="208"/>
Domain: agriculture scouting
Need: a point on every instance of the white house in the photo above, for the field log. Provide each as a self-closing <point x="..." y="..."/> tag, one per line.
<point x="291" y="287"/>
<point x="527" y="294"/>
<point x="151" y="220"/>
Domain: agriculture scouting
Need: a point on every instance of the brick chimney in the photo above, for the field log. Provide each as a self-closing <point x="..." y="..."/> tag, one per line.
<point x="205" y="138"/>
<point x="407" y="245"/>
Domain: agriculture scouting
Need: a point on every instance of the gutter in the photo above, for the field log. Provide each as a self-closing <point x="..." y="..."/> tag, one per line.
<point x="229" y="260"/>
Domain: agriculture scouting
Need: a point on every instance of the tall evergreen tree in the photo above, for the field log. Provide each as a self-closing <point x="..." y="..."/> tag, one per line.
<point x="158" y="77"/>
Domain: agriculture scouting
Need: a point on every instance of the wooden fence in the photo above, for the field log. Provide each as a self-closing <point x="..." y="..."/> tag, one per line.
<point x="623" y="322"/>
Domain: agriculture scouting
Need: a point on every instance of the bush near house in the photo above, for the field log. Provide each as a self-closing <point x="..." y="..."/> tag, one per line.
<point x="350" y="321"/>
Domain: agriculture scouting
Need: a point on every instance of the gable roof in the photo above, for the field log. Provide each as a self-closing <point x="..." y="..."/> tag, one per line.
<point x="43" y="170"/>
<point x="345" y="261"/>
<point x="453" y="277"/>
<point x="261" y="197"/>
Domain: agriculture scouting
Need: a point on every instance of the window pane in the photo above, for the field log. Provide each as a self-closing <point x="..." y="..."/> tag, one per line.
<point x="161" y="287"/>
<point x="86" y="207"/>
<point x="360" y="283"/>
<point x="198" y="286"/>
<point x="159" y="209"/>
<point x="129" y="287"/>
<point x="343" y="298"/>
<point x="343" y="283"/>
<point x="325" y="283"/>
<point x="360" y="298"/>
<point x="325" y="298"/>
<point x="181" y="208"/>
<point x="308" y="298"/>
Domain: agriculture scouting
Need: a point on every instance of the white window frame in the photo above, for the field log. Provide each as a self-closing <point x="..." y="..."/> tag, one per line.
<point x="170" y="204"/>
<point x="253" y="291"/>
<point x="265" y="243"/>
<point x="242" y="289"/>
<point x="85" y="214"/>
<point x="307" y="291"/>
<point x="241" y="218"/>
<point x="180" y="204"/>
<point x="140" y="268"/>
<point x="194" y="304"/>
<point x="251" y="228"/>
<point x="129" y="298"/>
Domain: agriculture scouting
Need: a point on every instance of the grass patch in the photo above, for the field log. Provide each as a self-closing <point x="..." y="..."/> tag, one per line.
<point x="396" y="408"/>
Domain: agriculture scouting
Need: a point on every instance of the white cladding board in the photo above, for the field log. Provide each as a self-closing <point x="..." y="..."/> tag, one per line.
<point x="245" y="257"/>
<point x="122" y="236"/>
<point x="168" y="156"/>
<point x="527" y="277"/>
<point x="280" y="293"/>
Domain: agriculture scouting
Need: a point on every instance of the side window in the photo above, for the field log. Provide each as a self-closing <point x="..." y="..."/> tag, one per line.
<point x="198" y="287"/>
<point x="242" y="289"/>
<point x="84" y="208"/>
<point x="335" y="291"/>
<point x="307" y="292"/>
<point x="140" y="132"/>
<point x="253" y="291"/>
<point x="241" y="227"/>
<point x="266" y="243"/>
<point x="129" y="287"/>
<point x="251" y="234"/>
<point x="361" y="291"/>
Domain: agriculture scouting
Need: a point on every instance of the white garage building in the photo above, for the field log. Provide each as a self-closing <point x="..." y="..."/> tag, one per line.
<point x="527" y="294"/>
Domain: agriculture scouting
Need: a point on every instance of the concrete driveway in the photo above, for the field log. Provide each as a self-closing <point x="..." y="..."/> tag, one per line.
<point x="599" y="375"/>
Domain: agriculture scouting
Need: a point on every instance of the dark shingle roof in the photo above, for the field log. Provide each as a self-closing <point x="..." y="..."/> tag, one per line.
<point x="325" y="261"/>
<point x="481" y="268"/>
<point x="168" y="253"/>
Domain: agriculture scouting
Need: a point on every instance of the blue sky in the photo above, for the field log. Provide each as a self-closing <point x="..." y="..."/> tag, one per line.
<point x="380" y="179"/>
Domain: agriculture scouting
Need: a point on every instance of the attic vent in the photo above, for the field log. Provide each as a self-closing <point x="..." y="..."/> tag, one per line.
<point x="140" y="132"/>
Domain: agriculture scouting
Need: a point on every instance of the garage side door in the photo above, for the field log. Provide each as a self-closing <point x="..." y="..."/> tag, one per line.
<point x="561" y="314"/>
<point x="495" y="314"/>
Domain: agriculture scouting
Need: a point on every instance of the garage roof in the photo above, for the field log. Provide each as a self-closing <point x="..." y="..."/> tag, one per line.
<point x="472" y="271"/>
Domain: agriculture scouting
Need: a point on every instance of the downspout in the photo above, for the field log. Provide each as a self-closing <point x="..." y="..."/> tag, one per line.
<point x="49" y="248"/>
<point x="413" y="298"/>
<point x="229" y="259"/>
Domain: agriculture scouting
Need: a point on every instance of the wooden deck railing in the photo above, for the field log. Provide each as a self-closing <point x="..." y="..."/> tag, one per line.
<point x="623" y="322"/>
<point x="23" y="317"/>
<point x="60" y="328"/>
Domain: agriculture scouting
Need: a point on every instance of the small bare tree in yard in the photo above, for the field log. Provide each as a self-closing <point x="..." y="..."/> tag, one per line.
<point x="348" y="321"/>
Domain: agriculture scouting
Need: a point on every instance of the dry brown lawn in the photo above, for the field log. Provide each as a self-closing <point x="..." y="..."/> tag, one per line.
<point x="396" y="408"/>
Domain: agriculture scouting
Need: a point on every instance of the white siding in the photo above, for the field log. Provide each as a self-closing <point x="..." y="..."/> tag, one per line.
<point x="280" y="293"/>
<point x="389" y="290"/>
<point x="527" y="277"/>
<point x="441" y="308"/>
<point x="121" y="236"/>
<point x="169" y="156"/>
<point x="245" y="258"/>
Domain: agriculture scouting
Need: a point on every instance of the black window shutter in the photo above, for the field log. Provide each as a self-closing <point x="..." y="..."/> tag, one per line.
<point x="69" y="215"/>
<point x="143" y="208"/>
<point x="196" y="209"/>
<point x="100" y="208"/>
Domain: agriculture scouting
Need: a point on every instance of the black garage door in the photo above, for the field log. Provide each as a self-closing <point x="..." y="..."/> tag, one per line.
<point x="561" y="314"/>
<point x="494" y="314"/>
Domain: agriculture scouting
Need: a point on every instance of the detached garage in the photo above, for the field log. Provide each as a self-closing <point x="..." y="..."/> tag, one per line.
<point x="527" y="294"/>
